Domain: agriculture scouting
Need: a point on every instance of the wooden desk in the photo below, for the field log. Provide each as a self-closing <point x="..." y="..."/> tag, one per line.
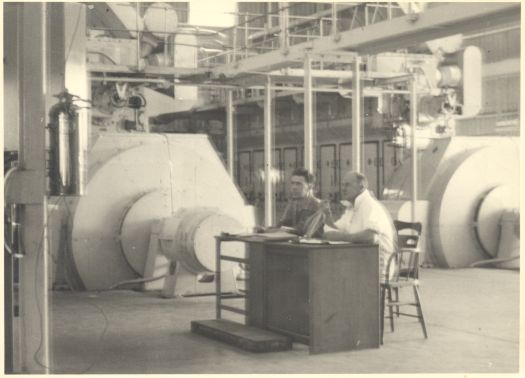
<point x="326" y="296"/>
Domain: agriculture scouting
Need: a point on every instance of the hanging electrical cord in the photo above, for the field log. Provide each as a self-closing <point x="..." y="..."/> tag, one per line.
<point x="101" y="338"/>
<point x="14" y="222"/>
<point x="40" y="250"/>
<point x="8" y="174"/>
<point x="106" y="56"/>
<point x="493" y="261"/>
<point x="134" y="281"/>
<point x="72" y="287"/>
<point x="38" y="304"/>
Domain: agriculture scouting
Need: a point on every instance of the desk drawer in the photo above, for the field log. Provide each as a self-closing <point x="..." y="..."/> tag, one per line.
<point x="287" y="292"/>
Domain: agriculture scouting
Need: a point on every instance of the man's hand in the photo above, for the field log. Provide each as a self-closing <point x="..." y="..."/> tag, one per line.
<point x="366" y="236"/>
<point x="337" y="236"/>
<point x="291" y="230"/>
<point x="329" y="219"/>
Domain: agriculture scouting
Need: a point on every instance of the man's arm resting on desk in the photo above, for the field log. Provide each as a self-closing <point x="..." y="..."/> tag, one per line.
<point x="366" y="236"/>
<point x="329" y="219"/>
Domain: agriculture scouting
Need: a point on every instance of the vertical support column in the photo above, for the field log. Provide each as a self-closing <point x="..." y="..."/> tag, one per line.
<point x="230" y="133"/>
<point x="139" y="34"/>
<point x="413" y="124"/>
<point x="356" y="116"/>
<point x="268" y="154"/>
<point x="308" y="116"/>
<point x="283" y="14"/>
<point x="51" y="58"/>
<point x="246" y="40"/>
<point x="12" y="64"/>
<point x="8" y="314"/>
<point x="269" y="15"/>
<point x="334" y="18"/>
<point x="33" y="267"/>
<point x="166" y="36"/>
<point x="234" y="41"/>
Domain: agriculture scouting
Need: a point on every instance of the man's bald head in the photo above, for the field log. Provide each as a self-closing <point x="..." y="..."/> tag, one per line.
<point x="353" y="184"/>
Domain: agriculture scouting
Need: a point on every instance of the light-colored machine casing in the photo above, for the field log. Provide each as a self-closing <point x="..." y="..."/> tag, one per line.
<point x="468" y="182"/>
<point x="137" y="179"/>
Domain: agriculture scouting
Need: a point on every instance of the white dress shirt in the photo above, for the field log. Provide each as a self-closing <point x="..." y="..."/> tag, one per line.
<point x="369" y="214"/>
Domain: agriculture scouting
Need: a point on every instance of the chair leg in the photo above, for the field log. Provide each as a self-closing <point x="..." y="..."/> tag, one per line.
<point x="420" y="311"/>
<point x="396" y="292"/>
<point x="391" y="310"/>
<point x="382" y="313"/>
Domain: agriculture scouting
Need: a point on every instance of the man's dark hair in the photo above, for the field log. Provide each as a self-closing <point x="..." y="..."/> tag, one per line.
<point x="308" y="177"/>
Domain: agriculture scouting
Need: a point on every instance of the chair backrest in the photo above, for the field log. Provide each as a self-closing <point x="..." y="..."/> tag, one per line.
<point x="401" y="225"/>
<point x="406" y="258"/>
<point x="407" y="241"/>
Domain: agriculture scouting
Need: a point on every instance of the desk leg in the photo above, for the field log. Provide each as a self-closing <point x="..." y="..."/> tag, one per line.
<point x="218" y="278"/>
<point x="256" y="293"/>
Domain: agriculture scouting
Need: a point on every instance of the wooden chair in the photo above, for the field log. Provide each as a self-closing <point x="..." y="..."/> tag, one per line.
<point x="404" y="265"/>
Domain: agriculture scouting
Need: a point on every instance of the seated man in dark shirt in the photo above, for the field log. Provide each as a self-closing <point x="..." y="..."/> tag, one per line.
<point x="301" y="211"/>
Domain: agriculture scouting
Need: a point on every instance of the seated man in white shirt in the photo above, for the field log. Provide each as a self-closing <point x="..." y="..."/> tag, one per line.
<point x="344" y="220"/>
<point x="367" y="222"/>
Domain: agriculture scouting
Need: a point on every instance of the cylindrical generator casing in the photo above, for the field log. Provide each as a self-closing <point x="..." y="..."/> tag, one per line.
<point x="110" y="226"/>
<point x="189" y="238"/>
<point x="457" y="176"/>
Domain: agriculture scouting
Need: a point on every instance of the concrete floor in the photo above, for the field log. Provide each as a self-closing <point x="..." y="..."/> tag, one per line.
<point x="472" y="317"/>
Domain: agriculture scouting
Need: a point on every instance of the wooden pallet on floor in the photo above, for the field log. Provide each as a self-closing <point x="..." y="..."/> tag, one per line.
<point x="245" y="337"/>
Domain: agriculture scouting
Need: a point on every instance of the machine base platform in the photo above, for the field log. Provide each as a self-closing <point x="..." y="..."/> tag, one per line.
<point x="245" y="337"/>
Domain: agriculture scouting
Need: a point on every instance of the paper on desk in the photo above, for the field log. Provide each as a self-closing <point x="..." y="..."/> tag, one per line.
<point x="277" y="235"/>
<point x="312" y="241"/>
<point x="273" y="235"/>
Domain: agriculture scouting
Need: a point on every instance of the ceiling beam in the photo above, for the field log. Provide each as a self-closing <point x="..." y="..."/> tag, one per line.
<point x="156" y="71"/>
<point x="400" y="32"/>
<point x="321" y="77"/>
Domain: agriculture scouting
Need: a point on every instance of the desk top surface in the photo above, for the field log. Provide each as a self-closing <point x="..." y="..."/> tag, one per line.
<point x="323" y="245"/>
<point x="293" y="241"/>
